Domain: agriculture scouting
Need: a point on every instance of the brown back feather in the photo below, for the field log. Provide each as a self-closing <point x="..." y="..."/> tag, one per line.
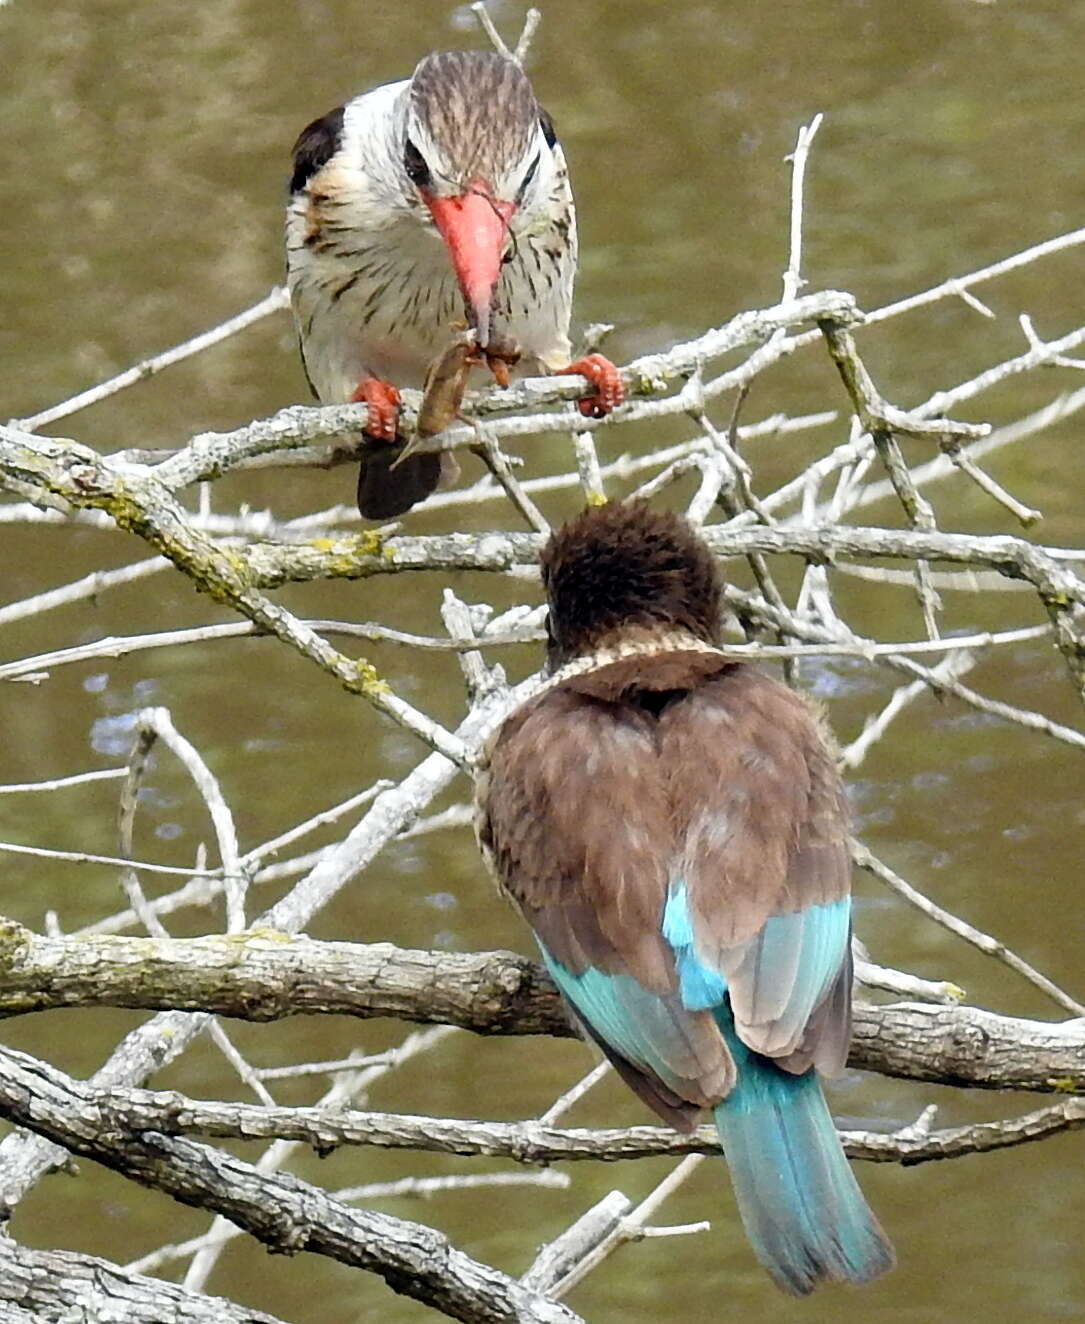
<point x="575" y="821"/>
<point x="763" y="827"/>
<point x="763" y="822"/>
<point x="653" y="768"/>
<point x="579" y="830"/>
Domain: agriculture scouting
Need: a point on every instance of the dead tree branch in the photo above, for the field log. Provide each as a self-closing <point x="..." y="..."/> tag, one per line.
<point x="50" y="1286"/>
<point x="264" y="976"/>
<point x="531" y="1141"/>
<point x="263" y="973"/>
<point x="288" y="1215"/>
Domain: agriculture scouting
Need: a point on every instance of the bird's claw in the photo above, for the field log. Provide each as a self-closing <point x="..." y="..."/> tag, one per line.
<point x="604" y="376"/>
<point x="500" y="369"/>
<point x="382" y="401"/>
<point x="501" y="355"/>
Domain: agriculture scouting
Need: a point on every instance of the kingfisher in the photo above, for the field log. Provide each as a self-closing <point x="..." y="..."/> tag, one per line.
<point x="419" y="207"/>
<point x="671" y="824"/>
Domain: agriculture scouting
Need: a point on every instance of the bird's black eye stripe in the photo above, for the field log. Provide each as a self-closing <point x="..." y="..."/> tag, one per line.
<point x="529" y="175"/>
<point x="547" y="126"/>
<point x="415" y="165"/>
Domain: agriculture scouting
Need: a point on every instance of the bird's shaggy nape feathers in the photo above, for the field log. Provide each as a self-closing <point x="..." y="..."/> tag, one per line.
<point x="624" y="566"/>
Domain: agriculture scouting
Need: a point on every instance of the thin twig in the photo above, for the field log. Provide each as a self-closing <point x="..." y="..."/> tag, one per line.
<point x="60" y="783"/>
<point x="497" y="461"/>
<point x="587" y="468"/>
<point x="866" y="859"/>
<point x="487" y="24"/>
<point x="86" y="857"/>
<point x="793" y="281"/>
<point x="629" y="1225"/>
<point x="273" y="302"/>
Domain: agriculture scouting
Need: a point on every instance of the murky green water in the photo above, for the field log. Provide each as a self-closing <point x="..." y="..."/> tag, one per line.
<point x="145" y="148"/>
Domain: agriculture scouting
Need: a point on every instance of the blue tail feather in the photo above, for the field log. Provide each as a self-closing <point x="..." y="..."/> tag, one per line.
<point x="801" y="1206"/>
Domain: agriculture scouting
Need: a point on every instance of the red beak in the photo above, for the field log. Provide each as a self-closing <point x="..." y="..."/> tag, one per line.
<point x="473" y="227"/>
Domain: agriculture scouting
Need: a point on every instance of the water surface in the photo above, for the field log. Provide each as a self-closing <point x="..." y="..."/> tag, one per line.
<point x="145" y="151"/>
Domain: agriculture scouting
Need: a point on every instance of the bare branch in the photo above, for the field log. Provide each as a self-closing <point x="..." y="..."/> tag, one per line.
<point x="283" y="1212"/>
<point x="78" y="475"/>
<point x="528" y="1142"/>
<point x="89" y="586"/>
<point x="264" y="976"/>
<point x="273" y="302"/>
<point x="156" y="723"/>
<point x="59" y="783"/>
<point x="865" y="859"/>
<point x="629" y="1226"/>
<point x="53" y="1284"/>
<point x="591" y="1230"/>
<point x="793" y="281"/>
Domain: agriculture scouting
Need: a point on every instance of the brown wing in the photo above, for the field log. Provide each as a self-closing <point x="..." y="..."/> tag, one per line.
<point x="575" y="818"/>
<point x="765" y="862"/>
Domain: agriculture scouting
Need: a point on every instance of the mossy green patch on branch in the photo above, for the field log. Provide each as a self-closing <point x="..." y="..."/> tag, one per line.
<point x="14" y="942"/>
<point x="649" y="382"/>
<point x="366" y="680"/>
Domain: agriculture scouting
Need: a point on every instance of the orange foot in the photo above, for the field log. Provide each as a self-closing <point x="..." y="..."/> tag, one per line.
<point x="382" y="398"/>
<point x="603" y="375"/>
<point x="501" y="355"/>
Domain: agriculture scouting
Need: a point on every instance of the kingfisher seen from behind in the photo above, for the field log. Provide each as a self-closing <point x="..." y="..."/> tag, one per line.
<point x="672" y="826"/>
<point x="414" y="207"/>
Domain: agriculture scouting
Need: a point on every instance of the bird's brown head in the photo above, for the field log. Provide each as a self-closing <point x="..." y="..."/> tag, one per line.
<point x="625" y="569"/>
<point x="474" y="141"/>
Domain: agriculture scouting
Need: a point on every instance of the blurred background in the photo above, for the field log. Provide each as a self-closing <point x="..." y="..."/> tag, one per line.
<point x="145" y="152"/>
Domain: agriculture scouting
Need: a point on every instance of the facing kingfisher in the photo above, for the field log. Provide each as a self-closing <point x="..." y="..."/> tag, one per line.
<point x="417" y="206"/>
<point x="672" y="826"/>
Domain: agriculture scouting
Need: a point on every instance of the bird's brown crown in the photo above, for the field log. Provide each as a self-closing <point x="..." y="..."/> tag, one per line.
<point x="478" y="108"/>
<point x="622" y="568"/>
